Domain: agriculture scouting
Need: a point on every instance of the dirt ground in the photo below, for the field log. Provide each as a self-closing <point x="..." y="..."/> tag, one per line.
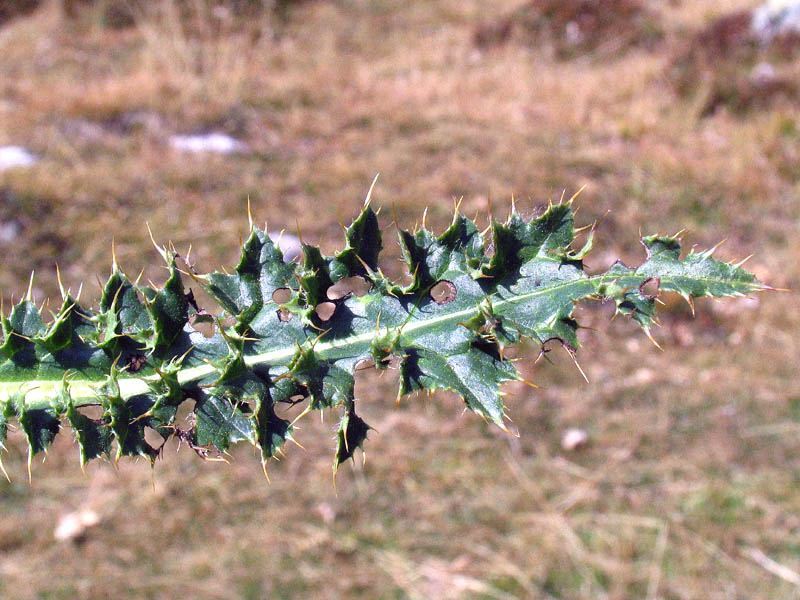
<point x="688" y="485"/>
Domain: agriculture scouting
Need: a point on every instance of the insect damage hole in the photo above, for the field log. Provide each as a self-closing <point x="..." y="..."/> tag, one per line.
<point x="650" y="287"/>
<point x="92" y="411"/>
<point x="325" y="310"/>
<point x="153" y="437"/>
<point x="443" y="292"/>
<point x="281" y="295"/>
<point x="356" y="285"/>
<point x="205" y="324"/>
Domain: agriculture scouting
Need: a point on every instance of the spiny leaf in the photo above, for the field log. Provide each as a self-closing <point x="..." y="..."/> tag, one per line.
<point x="139" y="357"/>
<point x="351" y="434"/>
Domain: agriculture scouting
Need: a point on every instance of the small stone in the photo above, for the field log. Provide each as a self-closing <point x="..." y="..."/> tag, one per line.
<point x="9" y="231"/>
<point x="775" y="18"/>
<point x="73" y="526"/>
<point x="574" y="439"/>
<point x="214" y="143"/>
<point x="15" y="156"/>
<point x="763" y="73"/>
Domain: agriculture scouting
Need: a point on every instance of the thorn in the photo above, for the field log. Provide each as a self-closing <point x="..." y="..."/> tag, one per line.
<point x="457" y="207"/>
<point x="652" y="339"/>
<point x="713" y="249"/>
<point x="529" y="383"/>
<point x="425" y="218"/>
<point x="578" y="193"/>
<point x="29" y="294"/>
<point x="368" y="199"/>
<point x="250" y="222"/>
<point x="769" y="288"/>
<point x="489" y="208"/>
<point x="690" y="302"/>
<point x="264" y="463"/>
<point x="306" y="410"/>
<point x="513" y="205"/>
<point x="505" y="428"/>
<point x="299" y="233"/>
<point x="319" y="337"/>
<point x="158" y="248"/>
<point x="744" y="260"/>
<point x="577" y="364"/>
<point x="60" y="285"/>
<point x="114" y="266"/>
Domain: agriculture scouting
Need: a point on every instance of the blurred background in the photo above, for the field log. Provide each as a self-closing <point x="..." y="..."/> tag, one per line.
<point x="671" y="474"/>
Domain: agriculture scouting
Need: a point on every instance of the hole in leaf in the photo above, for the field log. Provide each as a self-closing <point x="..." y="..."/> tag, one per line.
<point x="95" y="413"/>
<point x="204" y="325"/>
<point x="185" y="409"/>
<point x="367" y="363"/>
<point x="444" y="292"/>
<point x="510" y="352"/>
<point x="325" y="310"/>
<point x="358" y="286"/>
<point x="281" y="295"/>
<point x="284" y="315"/>
<point x="152" y="437"/>
<point x="649" y="287"/>
<point x="393" y="362"/>
<point x="289" y="408"/>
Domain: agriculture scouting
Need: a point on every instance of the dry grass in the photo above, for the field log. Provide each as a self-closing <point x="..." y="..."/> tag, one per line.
<point x="570" y="28"/>
<point x="688" y="488"/>
<point x="727" y="64"/>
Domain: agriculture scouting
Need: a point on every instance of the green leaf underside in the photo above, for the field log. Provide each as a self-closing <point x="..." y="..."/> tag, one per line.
<point x="138" y="357"/>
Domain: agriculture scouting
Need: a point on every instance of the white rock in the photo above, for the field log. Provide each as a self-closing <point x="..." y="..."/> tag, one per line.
<point x="9" y="230"/>
<point x="776" y="17"/>
<point x="763" y="73"/>
<point x="74" y="525"/>
<point x="288" y="244"/>
<point x="15" y="156"/>
<point x="573" y="33"/>
<point x="574" y="439"/>
<point x="216" y="143"/>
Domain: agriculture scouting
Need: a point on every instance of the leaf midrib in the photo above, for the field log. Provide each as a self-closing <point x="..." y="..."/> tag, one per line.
<point x="83" y="391"/>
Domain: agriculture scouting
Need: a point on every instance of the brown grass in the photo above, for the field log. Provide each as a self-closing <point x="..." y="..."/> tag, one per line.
<point x="570" y="28"/>
<point x="720" y="65"/>
<point x="689" y="479"/>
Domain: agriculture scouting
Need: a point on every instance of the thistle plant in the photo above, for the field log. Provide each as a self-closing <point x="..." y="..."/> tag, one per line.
<point x="295" y="333"/>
